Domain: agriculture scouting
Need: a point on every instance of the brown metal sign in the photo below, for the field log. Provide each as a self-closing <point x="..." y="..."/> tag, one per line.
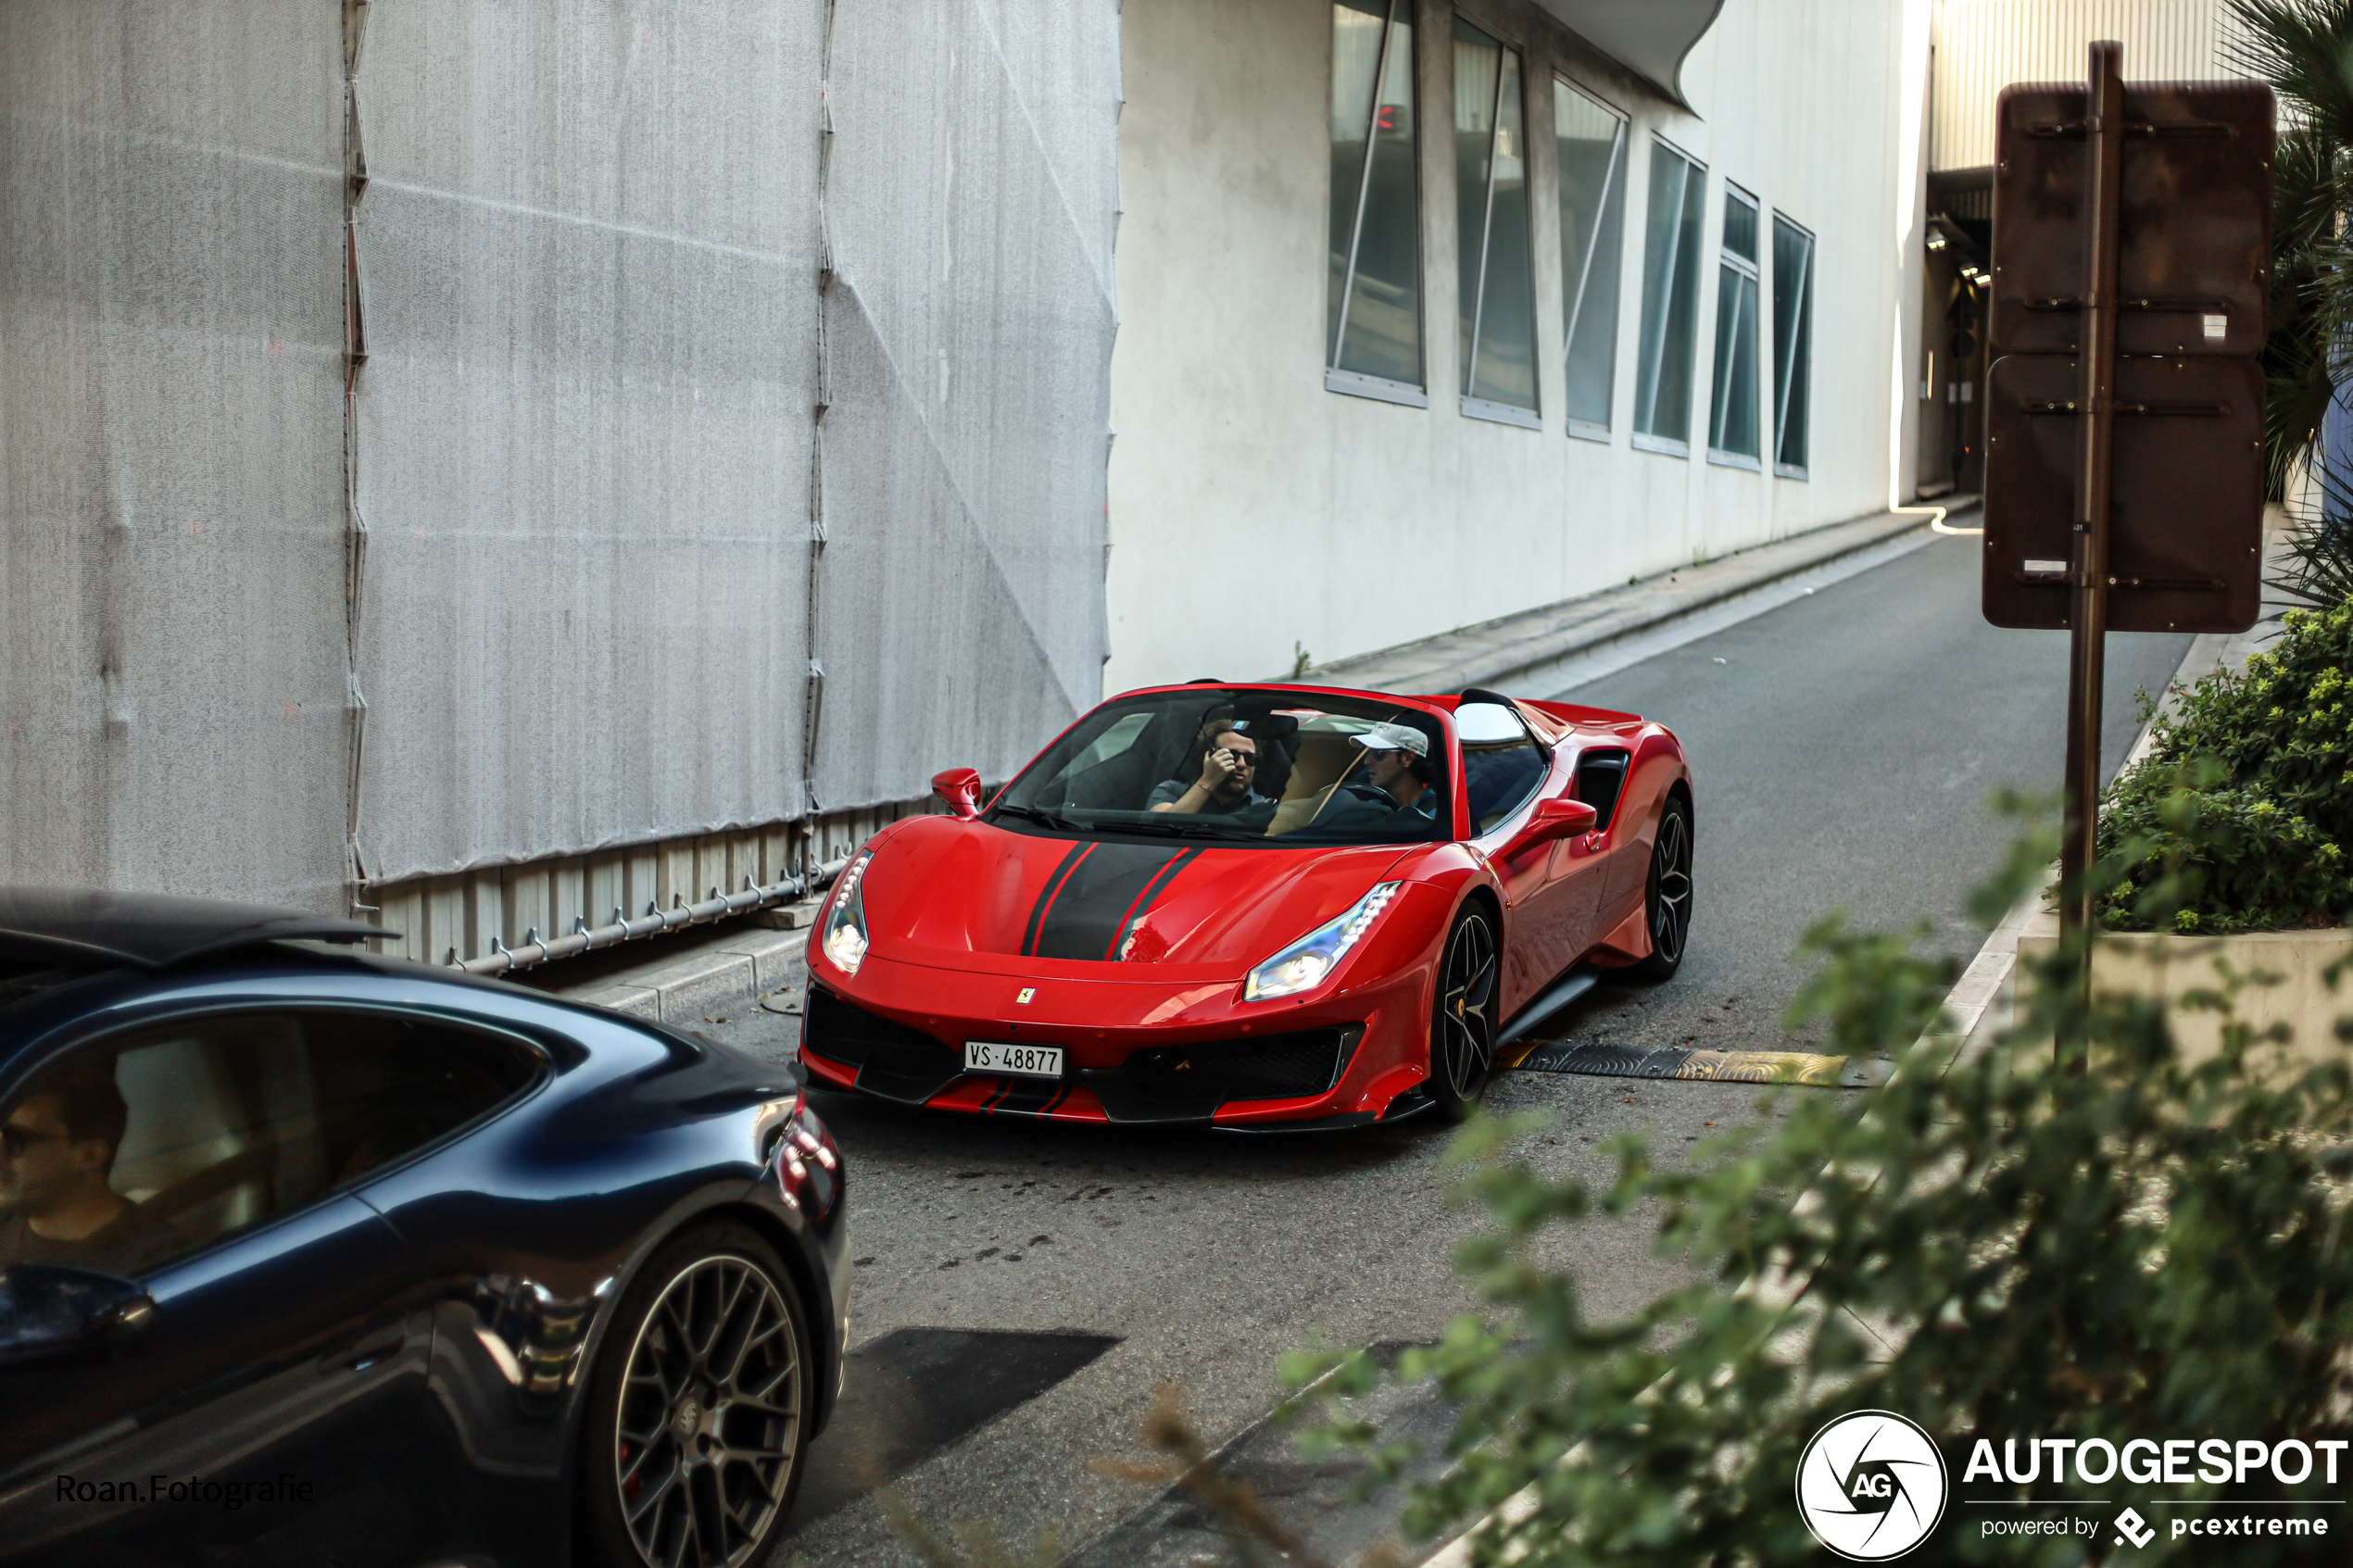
<point x="2185" y="500"/>
<point x="2194" y="219"/>
<point x="2124" y="454"/>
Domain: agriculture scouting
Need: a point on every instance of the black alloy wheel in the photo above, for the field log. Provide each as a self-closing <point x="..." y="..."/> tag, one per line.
<point x="700" y="1410"/>
<point x="1462" y="1026"/>
<point x="1667" y="903"/>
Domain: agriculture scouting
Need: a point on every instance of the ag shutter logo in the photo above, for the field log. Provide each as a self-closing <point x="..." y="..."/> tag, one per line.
<point x="1871" y="1485"/>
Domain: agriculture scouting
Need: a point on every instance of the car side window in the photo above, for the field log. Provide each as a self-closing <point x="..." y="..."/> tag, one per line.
<point x="1501" y="763"/>
<point x="134" y="1152"/>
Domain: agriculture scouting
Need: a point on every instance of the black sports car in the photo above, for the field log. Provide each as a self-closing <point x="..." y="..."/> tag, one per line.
<point x="318" y="1257"/>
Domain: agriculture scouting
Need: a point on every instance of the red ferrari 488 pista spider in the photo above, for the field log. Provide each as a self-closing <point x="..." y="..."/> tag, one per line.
<point x="1255" y="907"/>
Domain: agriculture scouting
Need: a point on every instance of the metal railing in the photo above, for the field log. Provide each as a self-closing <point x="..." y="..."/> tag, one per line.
<point x="536" y="950"/>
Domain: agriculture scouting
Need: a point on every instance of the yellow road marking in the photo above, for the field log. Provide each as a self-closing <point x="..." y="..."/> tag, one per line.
<point x="1761" y="1067"/>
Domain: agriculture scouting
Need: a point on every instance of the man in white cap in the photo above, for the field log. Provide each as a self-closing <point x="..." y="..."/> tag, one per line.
<point x="1397" y="764"/>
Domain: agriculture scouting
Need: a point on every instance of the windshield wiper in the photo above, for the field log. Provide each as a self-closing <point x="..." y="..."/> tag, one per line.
<point x="1035" y="815"/>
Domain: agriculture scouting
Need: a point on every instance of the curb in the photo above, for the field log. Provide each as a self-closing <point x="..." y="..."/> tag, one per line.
<point x="1980" y="1002"/>
<point x="734" y="965"/>
<point x="1523" y="646"/>
<point x="1981" y="987"/>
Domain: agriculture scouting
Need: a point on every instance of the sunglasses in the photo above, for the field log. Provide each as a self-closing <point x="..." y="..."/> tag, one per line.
<point x="15" y="1140"/>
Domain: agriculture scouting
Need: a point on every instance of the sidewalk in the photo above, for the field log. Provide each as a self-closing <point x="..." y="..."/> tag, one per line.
<point x="1533" y="649"/>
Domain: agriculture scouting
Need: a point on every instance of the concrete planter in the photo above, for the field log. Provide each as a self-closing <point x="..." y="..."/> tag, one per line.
<point x="2155" y="964"/>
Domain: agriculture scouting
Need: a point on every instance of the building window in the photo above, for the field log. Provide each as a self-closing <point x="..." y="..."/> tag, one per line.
<point x="1589" y="142"/>
<point x="1497" y="324"/>
<point x="1732" y="423"/>
<point x="1793" y="343"/>
<point x="1671" y="302"/>
<point x="1374" y="326"/>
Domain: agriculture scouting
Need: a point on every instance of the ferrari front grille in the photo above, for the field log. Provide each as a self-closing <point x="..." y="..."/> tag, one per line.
<point x="893" y="1059"/>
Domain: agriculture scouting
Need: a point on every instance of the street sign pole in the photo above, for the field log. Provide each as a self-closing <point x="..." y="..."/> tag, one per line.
<point x="2087" y="620"/>
<point x="2124" y="405"/>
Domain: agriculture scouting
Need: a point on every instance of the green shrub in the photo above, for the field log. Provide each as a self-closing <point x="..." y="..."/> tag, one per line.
<point x="2241" y="816"/>
<point x="1999" y="1248"/>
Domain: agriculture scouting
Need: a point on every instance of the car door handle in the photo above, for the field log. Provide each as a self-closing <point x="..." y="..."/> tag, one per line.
<point x="366" y="1353"/>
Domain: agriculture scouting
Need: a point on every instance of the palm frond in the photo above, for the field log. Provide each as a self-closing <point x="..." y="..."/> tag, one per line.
<point x="2303" y="48"/>
<point x="2307" y="189"/>
<point x="2319" y="568"/>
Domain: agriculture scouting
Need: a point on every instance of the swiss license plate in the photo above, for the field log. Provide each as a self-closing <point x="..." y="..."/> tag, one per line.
<point x="1018" y="1062"/>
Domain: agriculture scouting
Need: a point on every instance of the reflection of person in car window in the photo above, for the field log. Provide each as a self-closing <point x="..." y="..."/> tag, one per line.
<point x="56" y="1147"/>
<point x="1228" y="767"/>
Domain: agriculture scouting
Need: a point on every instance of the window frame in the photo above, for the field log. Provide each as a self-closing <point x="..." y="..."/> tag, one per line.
<point x="1614" y="186"/>
<point x="1645" y="440"/>
<point x="1506" y="821"/>
<point x="1474" y="407"/>
<point x="545" y="1069"/>
<point x="1802" y="332"/>
<point x="1358" y="384"/>
<point x="1720" y="384"/>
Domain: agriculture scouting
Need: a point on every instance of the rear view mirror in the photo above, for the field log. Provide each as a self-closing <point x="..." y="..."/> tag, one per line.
<point x="1561" y="819"/>
<point x="49" y="1312"/>
<point x="959" y="788"/>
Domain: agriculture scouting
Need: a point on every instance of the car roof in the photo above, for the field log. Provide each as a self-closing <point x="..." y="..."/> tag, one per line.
<point x="83" y="927"/>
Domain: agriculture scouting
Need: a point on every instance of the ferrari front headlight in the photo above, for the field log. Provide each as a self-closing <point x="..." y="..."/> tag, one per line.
<point x="1307" y="962"/>
<point x="843" y="940"/>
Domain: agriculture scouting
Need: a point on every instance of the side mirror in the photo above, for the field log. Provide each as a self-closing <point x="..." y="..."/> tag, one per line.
<point x="960" y="787"/>
<point x="50" y="1311"/>
<point x="1561" y="819"/>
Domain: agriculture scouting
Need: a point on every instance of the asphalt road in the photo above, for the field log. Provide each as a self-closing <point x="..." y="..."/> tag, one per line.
<point x="1022" y="1290"/>
<point x="1843" y="750"/>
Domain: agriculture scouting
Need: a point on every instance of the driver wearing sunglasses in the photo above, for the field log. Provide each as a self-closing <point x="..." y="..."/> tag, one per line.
<point x="56" y="1148"/>
<point x="1229" y="768"/>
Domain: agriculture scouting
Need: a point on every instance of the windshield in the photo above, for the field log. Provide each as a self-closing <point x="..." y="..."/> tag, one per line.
<point x="1245" y="766"/>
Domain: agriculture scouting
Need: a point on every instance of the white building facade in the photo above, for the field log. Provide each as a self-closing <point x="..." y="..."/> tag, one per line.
<point x="1572" y="322"/>
<point x="488" y="468"/>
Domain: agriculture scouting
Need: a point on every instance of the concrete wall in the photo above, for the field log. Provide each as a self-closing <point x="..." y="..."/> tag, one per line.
<point x="1984" y="45"/>
<point x="1252" y="510"/>
<point x="665" y="438"/>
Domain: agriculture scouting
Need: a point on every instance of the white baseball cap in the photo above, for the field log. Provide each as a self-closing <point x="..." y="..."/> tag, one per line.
<point x="1394" y="737"/>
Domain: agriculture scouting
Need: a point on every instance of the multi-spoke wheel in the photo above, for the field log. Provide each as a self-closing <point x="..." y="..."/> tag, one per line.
<point x="1462" y="1026"/>
<point x="700" y="1410"/>
<point x="1667" y="900"/>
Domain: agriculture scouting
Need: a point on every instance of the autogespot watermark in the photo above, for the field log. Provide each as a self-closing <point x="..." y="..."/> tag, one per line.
<point x="265" y="1492"/>
<point x="1871" y="1485"/>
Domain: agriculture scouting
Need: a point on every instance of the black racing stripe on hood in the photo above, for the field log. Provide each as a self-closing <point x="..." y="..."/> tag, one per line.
<point x="1082" y="918"/>
<point x="1146" y="899"/>
<point x="1046" y="899"/>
